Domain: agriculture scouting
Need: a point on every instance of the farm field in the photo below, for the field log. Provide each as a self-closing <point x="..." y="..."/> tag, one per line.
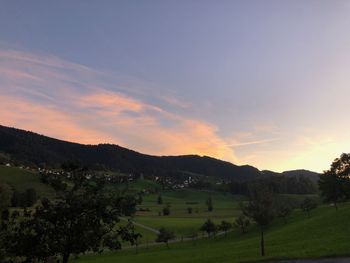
<point x="183" y="223"/>
<point x="325" y="234"/>
<point x="180" y="221"/>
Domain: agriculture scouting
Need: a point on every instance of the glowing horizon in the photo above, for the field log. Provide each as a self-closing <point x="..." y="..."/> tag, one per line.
<point x="264" y="84"/>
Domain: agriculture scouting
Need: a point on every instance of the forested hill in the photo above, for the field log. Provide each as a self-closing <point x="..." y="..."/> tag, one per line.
<point x="41" y="150"/>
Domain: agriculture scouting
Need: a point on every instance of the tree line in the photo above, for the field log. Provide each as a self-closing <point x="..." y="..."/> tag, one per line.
<point x="279" y="184"/>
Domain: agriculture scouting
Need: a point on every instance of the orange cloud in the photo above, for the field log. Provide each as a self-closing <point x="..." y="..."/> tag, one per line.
<point x="57" y="98"/>
<point x="19" y="113"/>
<point x="110" y="101"/>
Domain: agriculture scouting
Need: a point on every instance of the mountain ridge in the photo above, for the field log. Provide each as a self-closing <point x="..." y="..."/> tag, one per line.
<point x="42" y="150"/>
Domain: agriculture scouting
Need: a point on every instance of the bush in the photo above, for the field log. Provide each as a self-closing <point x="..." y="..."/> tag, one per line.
<point x="5" y="196"/>
<point x="166" y="211"/>
<point x="24" y="199"/>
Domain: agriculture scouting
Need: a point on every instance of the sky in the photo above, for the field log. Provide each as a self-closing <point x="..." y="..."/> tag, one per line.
<point x="265" y="83"/>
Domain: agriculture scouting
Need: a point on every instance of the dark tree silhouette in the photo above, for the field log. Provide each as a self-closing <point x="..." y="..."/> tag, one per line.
<point x="242" y="222"/>
<point x="131" y="235"/>
<point x="82" y="218"/>
<point x="225" y="226"/>
<point x="334" y="184"/>
<point x="30" y="197"/>
<point x="128" y="205"/>
<point x="164" y="236"/>
<point x="5" y="196"/>
<point x="283" y="212"/>
<point x="159" y="200"/>
<point x="260" y="209"/>
<point x="209" y="227"/>
<point x="166" y="210"/>
<point x="209" y="204"/>
<point x="307" y="205"/>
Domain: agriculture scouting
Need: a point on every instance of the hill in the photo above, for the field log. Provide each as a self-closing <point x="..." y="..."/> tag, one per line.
<point x="21" y="179"/>
<point x="314" y="177"/>
<point x="40" y="150"/>
<point x="34" y="149"/>
<point x="323" y="235"/>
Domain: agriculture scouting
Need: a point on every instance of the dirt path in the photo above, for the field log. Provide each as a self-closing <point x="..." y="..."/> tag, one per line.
<point x="141" y="225"/>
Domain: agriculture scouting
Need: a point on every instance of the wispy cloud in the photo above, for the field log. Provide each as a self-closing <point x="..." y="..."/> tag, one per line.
<point x="51" y="96"/>
<point x="238" y="144"/>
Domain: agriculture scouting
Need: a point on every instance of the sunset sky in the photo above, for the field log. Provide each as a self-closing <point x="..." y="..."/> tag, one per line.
<point x="265" y="83"/>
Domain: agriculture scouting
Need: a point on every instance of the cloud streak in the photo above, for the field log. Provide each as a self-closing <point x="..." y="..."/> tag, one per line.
<point x="61" y="99"/>
<point x="239" y="144"/>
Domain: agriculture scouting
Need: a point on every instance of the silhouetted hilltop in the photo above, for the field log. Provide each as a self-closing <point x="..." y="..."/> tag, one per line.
<point x="25" y="146"/>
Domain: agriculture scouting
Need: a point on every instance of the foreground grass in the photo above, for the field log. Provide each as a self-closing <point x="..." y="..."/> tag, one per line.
<point x="325" y="234"/>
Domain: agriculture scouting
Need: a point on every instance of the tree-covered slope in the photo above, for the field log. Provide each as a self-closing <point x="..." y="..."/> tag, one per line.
<point x="41" y="150"/>
<point x="32" y="148"/>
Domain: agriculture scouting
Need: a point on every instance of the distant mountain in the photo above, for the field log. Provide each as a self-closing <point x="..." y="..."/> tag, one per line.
<point x="314" y="177"/>
<point x="25" y="146"/>
<point x="41" y="150"/>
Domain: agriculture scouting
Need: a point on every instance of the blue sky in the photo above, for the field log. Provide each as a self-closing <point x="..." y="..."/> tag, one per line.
<point x="258" y="82"/>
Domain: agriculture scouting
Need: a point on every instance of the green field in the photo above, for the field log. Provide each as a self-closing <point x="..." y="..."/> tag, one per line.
<point x="325" y="234"/>
<point x="226" y="207"/>
<point x="21" y="179"/>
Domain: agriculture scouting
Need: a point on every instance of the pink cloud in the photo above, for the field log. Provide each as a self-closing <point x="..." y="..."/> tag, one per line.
<point x="19" y="113"/>
<point x="111" y="101"/>
<point x="75" y="103"/>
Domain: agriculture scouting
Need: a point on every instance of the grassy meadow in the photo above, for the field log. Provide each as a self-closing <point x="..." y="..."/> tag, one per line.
<point x="22" y="179"/>
<point x="180" y="221"/>
<point x="325" y="234"/>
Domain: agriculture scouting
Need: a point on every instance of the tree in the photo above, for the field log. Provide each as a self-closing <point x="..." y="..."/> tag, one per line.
<point x="208" y="227"/>
<point x="5" y="202"/>
<point x="30" y="197"/>
<point x="139" y="199"/>
<point x="332" y="188"/>
<point x="260" y="209"/>
<point x="17" y="199"/>
<point x="82" y="218"/>
<point x="164" y="236"/>
<point x="166" y="210"/>
<point x="209" y="204"/>
<point x="225" y="226"/>
<point x="131" y="236"/>
<point x="284" y="212"/>
<point x="189" y="210"/>
<point x="307" y="205"/>
<point x="159" y="200"/>
<point x="334" y="184"/>
<point x="5" y="196"/>
<point x="128" y="205"/>
<point x="24" y="199"/>
<point x="242" y="222"/>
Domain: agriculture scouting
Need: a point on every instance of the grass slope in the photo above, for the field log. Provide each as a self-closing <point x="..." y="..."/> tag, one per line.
<point x="325" y="234"/>
<point x="21" y="179"/>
